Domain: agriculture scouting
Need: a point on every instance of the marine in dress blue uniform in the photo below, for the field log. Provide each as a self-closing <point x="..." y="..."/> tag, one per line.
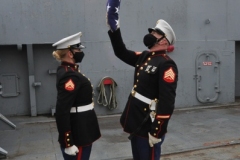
<point x="151" y="102"/>
<point x="76" y="119"/>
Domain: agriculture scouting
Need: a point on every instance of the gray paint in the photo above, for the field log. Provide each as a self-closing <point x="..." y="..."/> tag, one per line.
<point x="32" y="21"/>
<point x="9" y="85"/>
<point x="200" y="26"/>
<point x="193" y="134"/>
<point x="15" y="62"/>
<point x="31" y="80"/>
<point x="3" y="153"/>
<point x="186" y="91"/>
<point x="7" y="123"/>
<point x="46" y="93"/>
<point x="207" y="76"/>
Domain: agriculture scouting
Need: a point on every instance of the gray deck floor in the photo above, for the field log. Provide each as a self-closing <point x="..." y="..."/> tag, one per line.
<point x="207" y="133"/>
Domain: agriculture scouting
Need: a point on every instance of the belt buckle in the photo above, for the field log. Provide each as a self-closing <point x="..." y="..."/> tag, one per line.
<point x="153" y="102"/>
<point x="133" y="93"/>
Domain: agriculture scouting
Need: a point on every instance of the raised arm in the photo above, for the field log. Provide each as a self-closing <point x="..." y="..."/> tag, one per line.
<point x="113" y="22"/>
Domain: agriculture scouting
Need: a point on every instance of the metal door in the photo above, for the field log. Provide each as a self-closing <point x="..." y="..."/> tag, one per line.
<point x="207" y="77"/>
<point x="9" y="85"/>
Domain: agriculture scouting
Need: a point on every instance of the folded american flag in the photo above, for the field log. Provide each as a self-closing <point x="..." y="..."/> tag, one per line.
<point x="113" y="7"/>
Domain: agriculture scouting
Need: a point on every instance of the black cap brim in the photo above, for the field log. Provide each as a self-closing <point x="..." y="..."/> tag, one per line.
<point x="156" y="30"/>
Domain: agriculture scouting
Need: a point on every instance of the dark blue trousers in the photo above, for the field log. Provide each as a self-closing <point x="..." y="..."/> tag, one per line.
<point x="142" y="151"/>
<point x="83" y="154"/>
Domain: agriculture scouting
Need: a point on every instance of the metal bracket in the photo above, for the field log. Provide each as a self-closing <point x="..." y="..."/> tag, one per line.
<point x="0" y="88"/>
<point x="37" y="84"/>
<point x="2" y="117"/>
<point x="52" y="71"/>
<point x="3" y="153"/>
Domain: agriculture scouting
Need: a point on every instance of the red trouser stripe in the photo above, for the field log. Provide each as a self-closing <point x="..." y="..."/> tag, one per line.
<point x="79" y="157"/>
<point x="152" y="158"/>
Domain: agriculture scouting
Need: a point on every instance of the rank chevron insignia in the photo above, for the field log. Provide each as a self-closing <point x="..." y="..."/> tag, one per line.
<point x="69" y="85"/>
<point x="169" y="75"/>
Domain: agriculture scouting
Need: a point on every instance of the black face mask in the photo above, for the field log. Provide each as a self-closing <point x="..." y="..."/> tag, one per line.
<point x="149" y="40"/>
<point x="78" y="56"/>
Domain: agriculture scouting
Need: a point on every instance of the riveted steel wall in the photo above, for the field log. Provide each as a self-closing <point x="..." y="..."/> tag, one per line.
<point x="14" y="62"/>
<point x="34" y="25"/>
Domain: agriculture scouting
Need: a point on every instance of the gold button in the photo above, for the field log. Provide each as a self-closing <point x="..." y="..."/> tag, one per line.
<point x="67" y="134"/>
<point x="156" y="128"/>
<point x="135" y="86"/>
<point x="154" y="134"/>
<point x="137" y="80"/>
<point x="68" y="144"/>
<point x="153" y="53"/>
<point x="137" y="74"/>
<point x="141" y="68"/>
<point x="148" y="71"/>
<point x="137" y="65"/>
<point x="145" y="109"/>
<point x="145" y="64"/>
<point x="149" y="59"/>
<point x="159" y="122"/>
<point x="68" y="139"/>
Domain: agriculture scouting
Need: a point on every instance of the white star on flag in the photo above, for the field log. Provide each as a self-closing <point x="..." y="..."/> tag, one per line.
<point x="117" y="9"/>
<point x="113" y="9"/>
<point x="108" y="7"/>
<point x="117" y="23"/>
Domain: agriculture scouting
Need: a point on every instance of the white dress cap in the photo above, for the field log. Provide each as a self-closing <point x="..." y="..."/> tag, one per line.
<point x="70" y="41"/>
<point x="165" y="29"/>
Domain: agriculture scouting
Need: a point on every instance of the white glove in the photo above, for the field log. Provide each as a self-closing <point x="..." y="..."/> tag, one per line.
<point x="152" y="140"/>
<point x="73" y="150"/>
